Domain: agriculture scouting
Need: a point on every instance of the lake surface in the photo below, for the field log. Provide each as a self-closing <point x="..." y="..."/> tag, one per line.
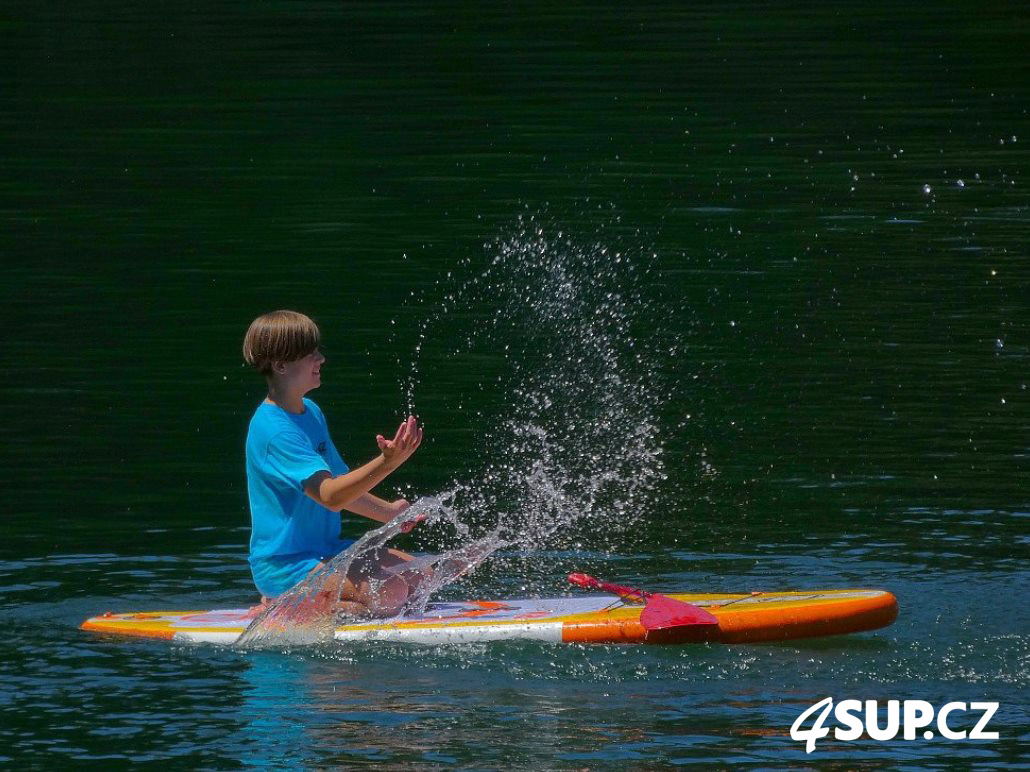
<point x="766" y="269"/>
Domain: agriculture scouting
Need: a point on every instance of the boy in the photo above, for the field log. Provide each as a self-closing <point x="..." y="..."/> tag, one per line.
<point x="297" y="482"/>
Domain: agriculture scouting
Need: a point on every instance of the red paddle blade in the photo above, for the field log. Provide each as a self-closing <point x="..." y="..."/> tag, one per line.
<point x="661" y="611"/>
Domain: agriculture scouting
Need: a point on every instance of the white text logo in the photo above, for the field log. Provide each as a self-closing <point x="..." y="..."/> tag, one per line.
<point x="911" y="715"/>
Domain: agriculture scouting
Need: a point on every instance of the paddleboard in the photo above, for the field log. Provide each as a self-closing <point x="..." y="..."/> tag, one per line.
<point x="742" y="618"/>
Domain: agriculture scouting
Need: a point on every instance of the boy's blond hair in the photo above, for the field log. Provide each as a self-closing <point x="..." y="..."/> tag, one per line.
<point x="279" y="336"/>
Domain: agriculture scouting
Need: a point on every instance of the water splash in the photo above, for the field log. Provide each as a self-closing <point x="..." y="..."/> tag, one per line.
<point x="307" y="613"/>
<point x="573" y="336"/>
<point x="569" y="340"/>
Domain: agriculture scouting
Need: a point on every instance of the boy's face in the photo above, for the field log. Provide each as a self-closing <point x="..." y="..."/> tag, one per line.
<point x="303" y="375"/>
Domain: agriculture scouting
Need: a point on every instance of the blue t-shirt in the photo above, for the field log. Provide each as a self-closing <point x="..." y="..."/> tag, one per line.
<point x="290" y="531"/>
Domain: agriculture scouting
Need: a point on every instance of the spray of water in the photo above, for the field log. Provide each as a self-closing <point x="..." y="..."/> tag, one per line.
<point x="307" y="613"/>
<point x="572" y="335"/>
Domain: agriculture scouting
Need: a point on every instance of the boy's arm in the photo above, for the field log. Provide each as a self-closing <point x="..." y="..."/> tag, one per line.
<point x="338" y="492"/>
<point x="375" y="508"/>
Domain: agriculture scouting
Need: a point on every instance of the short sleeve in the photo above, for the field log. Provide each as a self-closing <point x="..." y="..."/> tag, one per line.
<point x="339" y="466"/>
<point x="291" y="459"/>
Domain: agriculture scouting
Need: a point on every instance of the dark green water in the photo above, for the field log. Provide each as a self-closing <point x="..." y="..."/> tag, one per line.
<point x="852" y="324"/>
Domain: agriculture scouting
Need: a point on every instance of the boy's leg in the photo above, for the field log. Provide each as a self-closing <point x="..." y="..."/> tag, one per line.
<point x="373" y="587"/>
<point x="392" y="557"/>
<point x="415" y="571"/>
<point x="381" y="594"/>
<point x="381" y="591"/>
<point x="418" y="570"/>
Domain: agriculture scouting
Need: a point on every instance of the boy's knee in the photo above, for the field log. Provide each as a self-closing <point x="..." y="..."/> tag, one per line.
<point x="391" y="592"/>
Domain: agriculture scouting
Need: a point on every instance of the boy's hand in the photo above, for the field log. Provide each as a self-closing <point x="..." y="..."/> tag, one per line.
<point x="398" y="507"/>
<point x="404" y="443"/>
